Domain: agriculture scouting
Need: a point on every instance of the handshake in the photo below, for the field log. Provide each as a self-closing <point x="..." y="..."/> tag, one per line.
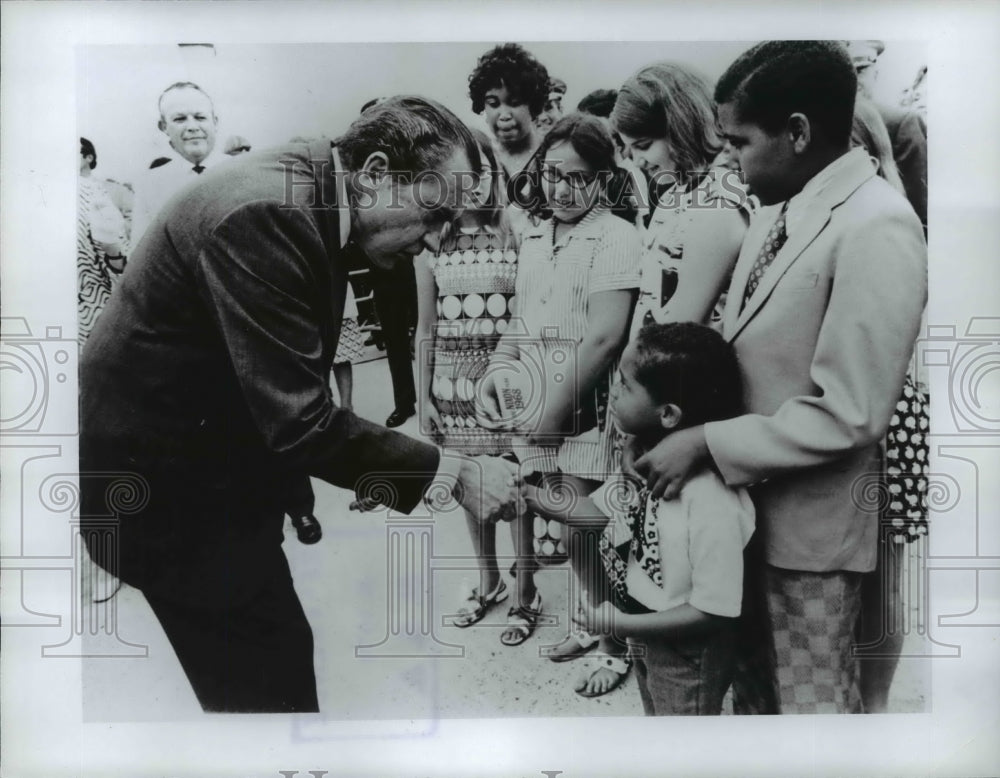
<point x="488" y="488"/>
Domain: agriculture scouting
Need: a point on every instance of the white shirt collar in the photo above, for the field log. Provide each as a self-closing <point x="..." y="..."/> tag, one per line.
<point x="799" y="205"/>
<point x="342" y="203"/>
<point x="187" y="165"/>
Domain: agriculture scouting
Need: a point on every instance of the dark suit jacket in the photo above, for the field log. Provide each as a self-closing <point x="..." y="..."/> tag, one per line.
<point x="207" y="375"/>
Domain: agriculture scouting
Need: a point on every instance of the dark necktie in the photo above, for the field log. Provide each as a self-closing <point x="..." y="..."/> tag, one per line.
<point x="772" y="245"/>
<point x="198" y="168"/>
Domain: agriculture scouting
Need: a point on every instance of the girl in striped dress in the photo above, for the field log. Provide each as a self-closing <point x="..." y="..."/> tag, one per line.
<point x="578" y="272"/>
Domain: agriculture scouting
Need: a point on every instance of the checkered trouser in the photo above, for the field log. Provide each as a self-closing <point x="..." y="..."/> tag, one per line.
<point x="808" y="666"/>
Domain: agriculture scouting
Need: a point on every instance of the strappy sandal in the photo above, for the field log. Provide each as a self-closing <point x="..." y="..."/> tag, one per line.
<point x="521" y="622"/>
<point x="476" y="605"/>
<point x="600" y="661"/>
<point x="577" y="643"/>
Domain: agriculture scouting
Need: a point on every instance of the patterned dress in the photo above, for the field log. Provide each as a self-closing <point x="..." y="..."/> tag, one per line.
<point x="475" y="281"/>
<point x="92" y="272"/>
<point x="663" y="244"/>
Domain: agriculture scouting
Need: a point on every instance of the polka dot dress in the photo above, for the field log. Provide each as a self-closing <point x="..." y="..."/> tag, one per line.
<point x="906" y="454"/>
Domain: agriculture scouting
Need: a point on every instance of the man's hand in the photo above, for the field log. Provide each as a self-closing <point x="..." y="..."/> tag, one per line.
<point x="487" y="487"/>
<point x="673" y="461"/>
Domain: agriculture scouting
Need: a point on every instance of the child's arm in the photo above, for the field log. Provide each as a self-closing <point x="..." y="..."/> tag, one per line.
<point x="683" y="621"/>
<point x="580" y="510"/>
<point x="711" y="247"/>
<point x="426" y="319"/>
<point x="607" y="326"/>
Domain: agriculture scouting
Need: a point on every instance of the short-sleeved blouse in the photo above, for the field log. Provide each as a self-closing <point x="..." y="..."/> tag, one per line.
<point x="554" y="282"/>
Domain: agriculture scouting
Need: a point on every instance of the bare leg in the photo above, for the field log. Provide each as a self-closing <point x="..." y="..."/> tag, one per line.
<point x="484" y="543"/>
<point x="522" y="535"/>
<point x="880" y="627"/>
<point x="343" y="374"/>
<point x="583" y="534"/>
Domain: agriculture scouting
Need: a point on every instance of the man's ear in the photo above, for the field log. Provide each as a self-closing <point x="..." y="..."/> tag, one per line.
<point x="670" y="416"/>
<point x="162" y="125"/>
<point x="375" y="167"/>
<point x="799" y="132"/>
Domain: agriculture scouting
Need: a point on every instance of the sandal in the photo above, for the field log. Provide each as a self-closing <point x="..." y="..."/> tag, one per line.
<point x="617" y="665"/>
<point x="521" y="622"/>
<point x="476" y="605"/>
<point x="577" y="643"/>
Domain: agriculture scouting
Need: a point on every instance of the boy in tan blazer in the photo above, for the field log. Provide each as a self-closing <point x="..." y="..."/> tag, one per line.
<point x="824" y="307"/>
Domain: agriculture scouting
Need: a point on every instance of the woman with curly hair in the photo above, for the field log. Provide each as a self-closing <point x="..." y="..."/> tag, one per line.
<point x="510" y="87"/>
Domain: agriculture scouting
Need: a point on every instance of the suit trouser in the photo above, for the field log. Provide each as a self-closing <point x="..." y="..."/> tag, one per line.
<point x="253" y="657"/>
<point x="797" y="634"/>
<point x="396" y="301"/>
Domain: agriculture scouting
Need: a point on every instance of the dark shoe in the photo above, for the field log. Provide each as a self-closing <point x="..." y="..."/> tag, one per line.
<point x="399" y="416"/>
<point x="308" y="529"/>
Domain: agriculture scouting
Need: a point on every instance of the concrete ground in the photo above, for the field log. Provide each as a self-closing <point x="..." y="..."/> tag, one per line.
<point x="390" y="657"/>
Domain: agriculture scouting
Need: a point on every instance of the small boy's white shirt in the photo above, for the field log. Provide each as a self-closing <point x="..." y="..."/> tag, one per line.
<point x="702" y="535"/>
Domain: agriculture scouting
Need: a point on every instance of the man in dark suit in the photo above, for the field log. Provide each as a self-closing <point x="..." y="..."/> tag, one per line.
<point x="207" y="377"/>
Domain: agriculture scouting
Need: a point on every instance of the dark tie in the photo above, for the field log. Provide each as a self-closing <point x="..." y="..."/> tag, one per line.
<point x="772" y="245"/>
<point x="198" y="168"/>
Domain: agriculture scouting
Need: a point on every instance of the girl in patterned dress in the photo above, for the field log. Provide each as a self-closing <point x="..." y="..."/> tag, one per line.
<point x="464" y="295"/>
<point x="576" y="283"/>
<point x="665" y="117"/>
<point x="100" y="243"/>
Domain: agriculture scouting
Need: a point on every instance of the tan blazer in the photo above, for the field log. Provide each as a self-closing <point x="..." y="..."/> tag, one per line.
<point x="823" y="345"/>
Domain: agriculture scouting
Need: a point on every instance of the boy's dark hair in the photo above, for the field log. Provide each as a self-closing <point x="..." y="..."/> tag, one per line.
<point x="509" y="65"/>
<point x="774" y="79"/>
<point x="600" y="102"/>
<point x="691" y="366"/>
<point x="87" y="149"/>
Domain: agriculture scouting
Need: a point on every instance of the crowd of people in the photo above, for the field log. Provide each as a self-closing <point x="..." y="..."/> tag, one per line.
<point x="665" y="337"/>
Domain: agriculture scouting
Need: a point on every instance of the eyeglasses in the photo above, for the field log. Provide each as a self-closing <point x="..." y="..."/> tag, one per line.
<point x="575" y="180"/>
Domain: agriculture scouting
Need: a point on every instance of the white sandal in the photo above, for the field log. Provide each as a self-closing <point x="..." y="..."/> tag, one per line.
<point x="475" y="606"/>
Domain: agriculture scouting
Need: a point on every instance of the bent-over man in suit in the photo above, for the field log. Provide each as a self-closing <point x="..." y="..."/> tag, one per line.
<point x="824" y="308"/>
<point x="208" y="378"/>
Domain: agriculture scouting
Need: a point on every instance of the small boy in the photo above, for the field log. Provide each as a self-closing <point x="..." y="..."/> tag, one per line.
<point x="823" y="310"/>
<point x="675" y="568"/>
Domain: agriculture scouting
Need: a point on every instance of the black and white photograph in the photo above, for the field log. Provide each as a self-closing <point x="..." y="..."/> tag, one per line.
<point x="431" y="401"/>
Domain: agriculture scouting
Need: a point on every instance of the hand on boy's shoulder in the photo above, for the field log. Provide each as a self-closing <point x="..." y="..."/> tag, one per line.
<point x="674" y="461"/>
